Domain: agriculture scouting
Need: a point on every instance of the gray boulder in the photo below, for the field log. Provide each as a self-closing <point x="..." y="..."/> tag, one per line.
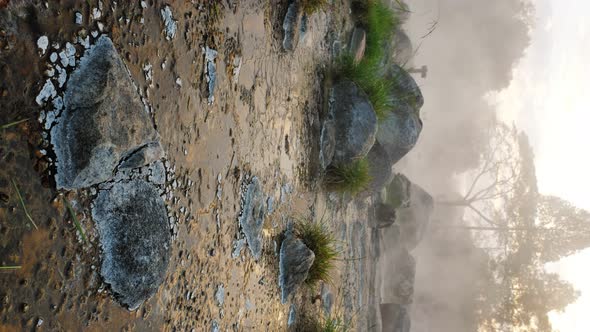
<point x="104" y="122"/>
<point x="135" y="239"/>
<point x="380" y="168"/>
<point x="413" y="208"/>
<point x="395" y="317"/>
<point x="295" y="260"/>
<point x="398" y="287"/>
<point x="292" y="26"/>
<point x="399" y="132"/>
<point x="252" y="216"/>
<point x="327" y="141"/>
<point x="355" y="121"/>
<point x="405" y="90"/>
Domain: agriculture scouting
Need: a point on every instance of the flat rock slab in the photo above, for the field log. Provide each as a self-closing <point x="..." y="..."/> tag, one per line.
<point x="252" y="216"/>
<point x="355" y="121"/>
<point x="135" y="240"/>
<point x="104" y="122"/>
<point x="295" y="260"/>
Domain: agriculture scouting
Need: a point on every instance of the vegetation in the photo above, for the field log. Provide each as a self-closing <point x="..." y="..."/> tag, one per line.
<point x="22" y="202"/>
<point x="8" y="125"/>
<point x="75" y="220"/>
<point x="14" y="267"/>
<point x="379" y="22"/>
<point x="329" y="324"/>
<point x="351" y="178"/>
<point x="316" y="236"/>
<point x="312" y="6"/>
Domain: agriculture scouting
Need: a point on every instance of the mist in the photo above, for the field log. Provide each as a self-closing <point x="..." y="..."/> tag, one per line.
<point x="470" y="48"/>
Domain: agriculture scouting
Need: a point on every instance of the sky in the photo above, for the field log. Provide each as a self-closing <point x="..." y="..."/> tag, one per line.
<point x="548" y="98"/>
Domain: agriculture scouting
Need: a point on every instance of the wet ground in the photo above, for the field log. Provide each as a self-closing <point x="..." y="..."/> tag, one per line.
<point x="263" y="123"/>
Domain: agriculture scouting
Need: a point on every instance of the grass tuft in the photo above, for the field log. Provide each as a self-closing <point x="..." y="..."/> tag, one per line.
<point x="329" y="324"/>
<point x="380" y="23"/>
<point x="75" y="220"/>
<point x="22" y="203"/>
<point x="317" y="238"/>
<point x="351" y="178"/>
<point x="8" y="125"/>
<point x="312" y="6"/>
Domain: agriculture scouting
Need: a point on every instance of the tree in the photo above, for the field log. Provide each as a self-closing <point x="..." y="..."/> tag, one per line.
<point x="567" y="229"/>
<point x="495" y="178"/>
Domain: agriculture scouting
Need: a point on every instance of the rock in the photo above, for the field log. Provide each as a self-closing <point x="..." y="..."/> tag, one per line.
<point x="358" y="42"/>
<point x="356" y="122"/>
<point x="405" y="90"/>
<point x="169" y="22"/>
<point x="385" y="215"/>
<point x="413" y="217"/>
<point x="399" y="132"/>
<point x="327" y="299"/>
<point x="292" y="315"/>
<point x="104" y="122"/>
<point x="395" y="317"/>
<point x="292" y="26"/>
<point x="210" y="73"/>
<point x="398" y="287"/>
<point x="295" y="260"/>
<point x="380" y="169"/>
<point x="135" y="239"/>
<point x="327" y="141"/>
<point x="252" y="216"/>
<point x="220" y="295"/>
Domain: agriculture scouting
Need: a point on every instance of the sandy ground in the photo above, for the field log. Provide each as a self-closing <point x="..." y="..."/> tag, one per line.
<point x="264" y="123"/>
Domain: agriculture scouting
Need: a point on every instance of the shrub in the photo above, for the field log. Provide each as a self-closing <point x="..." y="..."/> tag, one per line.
<point x="351" y="178"/>
<point x="317" y="237"/>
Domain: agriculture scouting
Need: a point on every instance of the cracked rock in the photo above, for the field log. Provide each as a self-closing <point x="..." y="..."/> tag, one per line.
<point x="135" y="240"/>
<point x="252" y="216"/>
<point x="104" y="122"/>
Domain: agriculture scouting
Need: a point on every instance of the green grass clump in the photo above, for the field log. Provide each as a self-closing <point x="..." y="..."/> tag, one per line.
<point x="312" y="6"/>
<point x="317" y="237"/>
<point x="380" y="23"/>
<point x="329" y="324"/>
<point x="352" y="178"/>
<point x="366" y="75"/>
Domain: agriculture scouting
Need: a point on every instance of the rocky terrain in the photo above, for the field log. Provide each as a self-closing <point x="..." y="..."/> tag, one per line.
<point x="155" y="155"/>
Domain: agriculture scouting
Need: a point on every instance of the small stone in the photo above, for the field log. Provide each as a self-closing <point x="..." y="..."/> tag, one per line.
<point x="42" y="44"/>
<point x="358" y="43"/>
<point x="53" y="57"/>
<point x="294" y="263"/>
<point x="220" y="295"/>
<point x="169" y="22"/>
<point x="47" y="92"/>
<point x="96" y="13"/>
<point x="78" y="18"/>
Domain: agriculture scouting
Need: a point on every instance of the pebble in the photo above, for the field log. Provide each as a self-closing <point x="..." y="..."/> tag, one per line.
<point x="47" y="92"/>
<point x="78" y="18"/>
<point x="43" y="43"/>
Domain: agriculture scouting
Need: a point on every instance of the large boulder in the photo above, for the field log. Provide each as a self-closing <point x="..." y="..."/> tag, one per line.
<point x="295" y="260"/>
<point x="252" y="216"/>
<point x="413" y="209"/>
<point x="405" y="90"/>
<point x="355" y="121"/>
<point x="135" y="239"/>
<point x="380" y="168"/>
<point x="398" y="132"/>
<point x="398" y="283"/>
<point x="395" y="317"/>
<point x="104" y="123"/>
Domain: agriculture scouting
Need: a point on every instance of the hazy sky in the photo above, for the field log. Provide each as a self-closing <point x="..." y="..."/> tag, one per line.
<point x="548" y="98"/>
